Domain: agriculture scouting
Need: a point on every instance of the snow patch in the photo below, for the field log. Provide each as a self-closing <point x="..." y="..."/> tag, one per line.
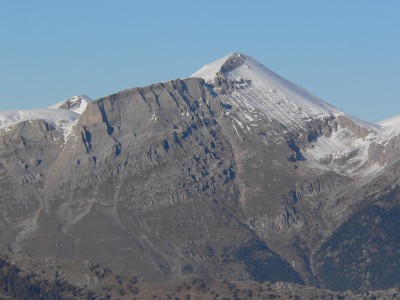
<point x="343" y="153"/>
<point x="233" y="124"/>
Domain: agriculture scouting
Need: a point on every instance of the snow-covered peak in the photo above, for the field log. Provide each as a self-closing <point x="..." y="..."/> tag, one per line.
<point x="209" y="71"/>
<point x="76" y="104"/>
<point x="280" y="98"/>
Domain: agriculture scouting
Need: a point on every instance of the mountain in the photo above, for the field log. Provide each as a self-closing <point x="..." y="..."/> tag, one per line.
<point x="234" y="173"/>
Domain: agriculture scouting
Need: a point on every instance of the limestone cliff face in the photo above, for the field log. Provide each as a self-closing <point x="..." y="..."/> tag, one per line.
<point x="27" y="151"/>
<point x="152" y="172"/>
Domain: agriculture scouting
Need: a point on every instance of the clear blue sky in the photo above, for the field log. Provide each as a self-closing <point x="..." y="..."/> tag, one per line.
<point x="346" y="52"/>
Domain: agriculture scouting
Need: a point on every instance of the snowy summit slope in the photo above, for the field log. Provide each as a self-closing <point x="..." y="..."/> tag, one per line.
<point x="261" y="88"/>
<point x="390" y="128"/>
<point x="390" y="122"/>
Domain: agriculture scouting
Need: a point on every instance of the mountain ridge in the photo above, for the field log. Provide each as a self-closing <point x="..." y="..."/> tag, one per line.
<point x="209" y="72"/>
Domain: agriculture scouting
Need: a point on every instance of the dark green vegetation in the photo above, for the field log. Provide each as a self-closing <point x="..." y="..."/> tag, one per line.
<point x="16" y="284"/>
<point x="364" y="253"/>
<point x="265" y="265"/>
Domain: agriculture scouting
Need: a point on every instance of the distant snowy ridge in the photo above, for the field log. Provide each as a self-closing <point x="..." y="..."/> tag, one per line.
<point x="58" y="117"/>
<point x="62" y="115"/>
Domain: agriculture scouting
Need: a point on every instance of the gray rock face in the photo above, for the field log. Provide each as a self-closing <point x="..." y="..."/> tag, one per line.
<point x="233" y="177"/>
<point x="27" y="151"/>
<point x="150" y="176"/>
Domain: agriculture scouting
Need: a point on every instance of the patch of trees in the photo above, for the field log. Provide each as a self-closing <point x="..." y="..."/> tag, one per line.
<point x="265" y="265"/>
<point x="17" y="284"/>
<point x="364" y="253"/>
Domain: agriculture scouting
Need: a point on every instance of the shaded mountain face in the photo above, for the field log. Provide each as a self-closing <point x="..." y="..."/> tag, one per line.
<point x="234" y="173"/>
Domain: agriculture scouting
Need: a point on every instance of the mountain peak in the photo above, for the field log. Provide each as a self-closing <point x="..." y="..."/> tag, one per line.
<point x="76" y="104"/>
<point x="235" y="61"/>
<point x="274" y="93"/>
<point x="223" y="65"/>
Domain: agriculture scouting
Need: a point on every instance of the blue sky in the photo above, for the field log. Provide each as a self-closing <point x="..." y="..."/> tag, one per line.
<point x="346" y="52"/>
